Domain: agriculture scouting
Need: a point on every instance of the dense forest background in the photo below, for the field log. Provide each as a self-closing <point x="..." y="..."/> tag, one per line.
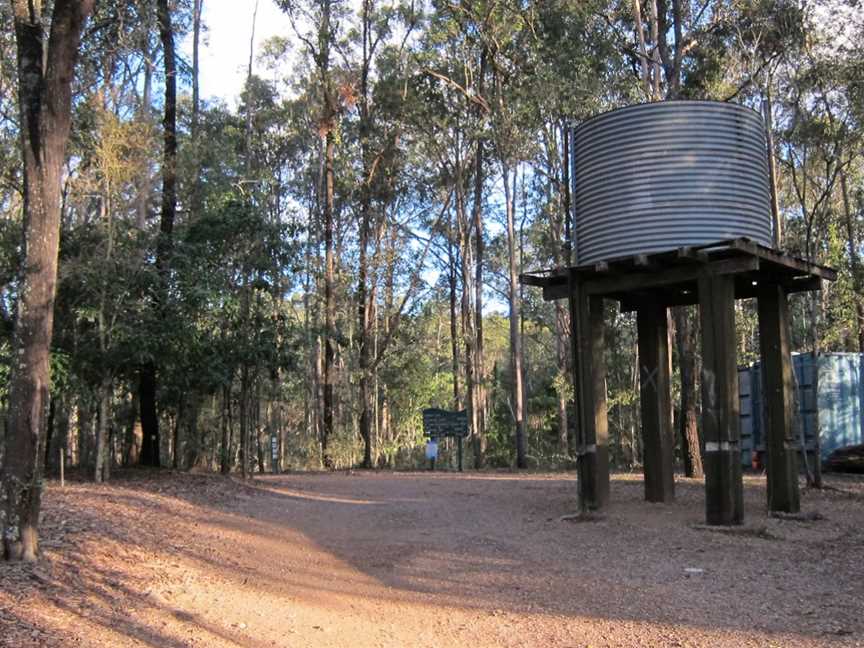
<point x="286" y="283"/>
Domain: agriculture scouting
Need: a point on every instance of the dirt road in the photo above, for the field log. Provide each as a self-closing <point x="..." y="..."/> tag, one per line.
<point x="431" y="560"/>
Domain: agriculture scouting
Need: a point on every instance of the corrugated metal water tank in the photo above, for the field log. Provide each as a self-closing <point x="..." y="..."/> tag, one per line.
<point x="664" y="175"/>
<point x="829" y="393"/>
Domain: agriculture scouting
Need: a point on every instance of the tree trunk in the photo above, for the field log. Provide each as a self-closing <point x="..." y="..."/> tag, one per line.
<point x="134" y="435"/>
<point x="101" y="465"/>
<point x="515" y="322"/>
<point x="193" y="448"/>
<point x="85" y="431"/>
<point x="59" y="438"/>
<point x="562" y="350"/>
<point x="364" y="328"/>
<point x="565" y="250"/>
<point x="169" y="154"/>
<point x="477" y="215"/>
<point x="562" y="236"/>
<point x="244" y="422"/>
<point x="45" y="71"/>
<point x="262" y="459"/>
<point x="144" y="182"/>
<point x="150" y="455"/>
<point x="179" y="421"/>
<point x="454" y="337"/>
<point x="363" y="308"/>
<point x="50" y="436"/>
<point x="776" y="216"/>
<point x="226" y="454"/>
<point x="468" y="321"/>
<point x="688" y="430"/>
<point x="329" y="307"/>
<point x="194" y="128"/>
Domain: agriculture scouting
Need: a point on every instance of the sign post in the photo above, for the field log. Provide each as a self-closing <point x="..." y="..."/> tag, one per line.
<point x="274" y="453"/>
<point x="438" y="423"/>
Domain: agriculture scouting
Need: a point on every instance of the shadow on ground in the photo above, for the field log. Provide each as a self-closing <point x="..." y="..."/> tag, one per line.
<point x="174" y="560"/>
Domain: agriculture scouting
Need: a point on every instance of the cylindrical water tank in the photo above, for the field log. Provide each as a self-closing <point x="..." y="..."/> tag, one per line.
<point x="664" y="175"/>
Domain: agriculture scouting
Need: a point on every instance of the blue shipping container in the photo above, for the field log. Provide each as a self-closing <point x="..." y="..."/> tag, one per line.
<point x="829" y="398"/>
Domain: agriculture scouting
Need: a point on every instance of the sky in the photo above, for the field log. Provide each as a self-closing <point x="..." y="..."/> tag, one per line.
<point x="225" y="43"/>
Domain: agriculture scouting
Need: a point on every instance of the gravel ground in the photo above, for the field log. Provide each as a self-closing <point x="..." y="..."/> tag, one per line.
<point x="432" y="560"/>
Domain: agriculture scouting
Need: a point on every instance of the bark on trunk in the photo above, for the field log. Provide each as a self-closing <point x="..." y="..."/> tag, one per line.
<point x="150" y="455"/>
<point x="468" y="322"/>
<point x="688" y="430"/>
<point x="144" y="183"/>
<point x="329" y="306"/>
<point x="134" y="436"/>
<point x="515" y="321"/>
<point x="194" y="129"/>
<point x="45" y="71"/>
<point x="562" y="350"/>
<point x="244" y="422"/>
<point x="50" y="437"/>
<point x="60" y="436"/>
<point x="148" y="381"/>
<point x="179" y="421"/>
<point x="364" y="333"/>
<point x="101" y="467"/>
<point x="477" y="216"/>
<point x="776" y="217"/>
<point x="226" y="454"/>
<point x="454" y="337"/>
<point x="363" y="308"/>
<point x="85" y="431"/>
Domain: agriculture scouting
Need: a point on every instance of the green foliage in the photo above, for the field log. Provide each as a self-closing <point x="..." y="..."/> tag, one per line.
<point x="238" y="315"/>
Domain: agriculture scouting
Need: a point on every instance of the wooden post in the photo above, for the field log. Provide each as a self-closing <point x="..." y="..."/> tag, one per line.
<point x="589" y="389"/>
<point x="656" y="403"/>
<point x="778" y="400"/>
<point x="460" y="453"/>
<point x="62" y="468"/>
<point x="721" y="424"/>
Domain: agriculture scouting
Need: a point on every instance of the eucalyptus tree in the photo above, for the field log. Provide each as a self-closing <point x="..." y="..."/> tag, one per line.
<point x="454" y="66"/>
<point x="382" y="72"/>
<point x="317" y="25"/>
<point x="150" y="452"/>
<point x="46" y="59"/>
<point x="510" y="38"/>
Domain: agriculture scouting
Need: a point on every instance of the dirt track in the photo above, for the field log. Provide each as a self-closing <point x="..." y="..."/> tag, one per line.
<point x="405" y="560"/>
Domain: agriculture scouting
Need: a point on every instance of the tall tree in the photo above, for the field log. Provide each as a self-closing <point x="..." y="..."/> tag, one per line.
<point x="147" y="387"/>
<point x="195" y="128"/>
<point x="46" y="64"/>
<point x="321" y="18"/>
<point x="328" y="124"/>
<point x="368" y="167"/>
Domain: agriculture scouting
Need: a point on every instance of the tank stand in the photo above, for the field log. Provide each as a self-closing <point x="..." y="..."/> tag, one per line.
<point x="712" y="276"/>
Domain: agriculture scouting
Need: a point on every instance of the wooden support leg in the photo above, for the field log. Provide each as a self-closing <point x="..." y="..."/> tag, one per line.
<point x="721" y="422"/>
<point x="656" y="404"/>
<point x="589" y="382"/>
<point x="778" y="400"/>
